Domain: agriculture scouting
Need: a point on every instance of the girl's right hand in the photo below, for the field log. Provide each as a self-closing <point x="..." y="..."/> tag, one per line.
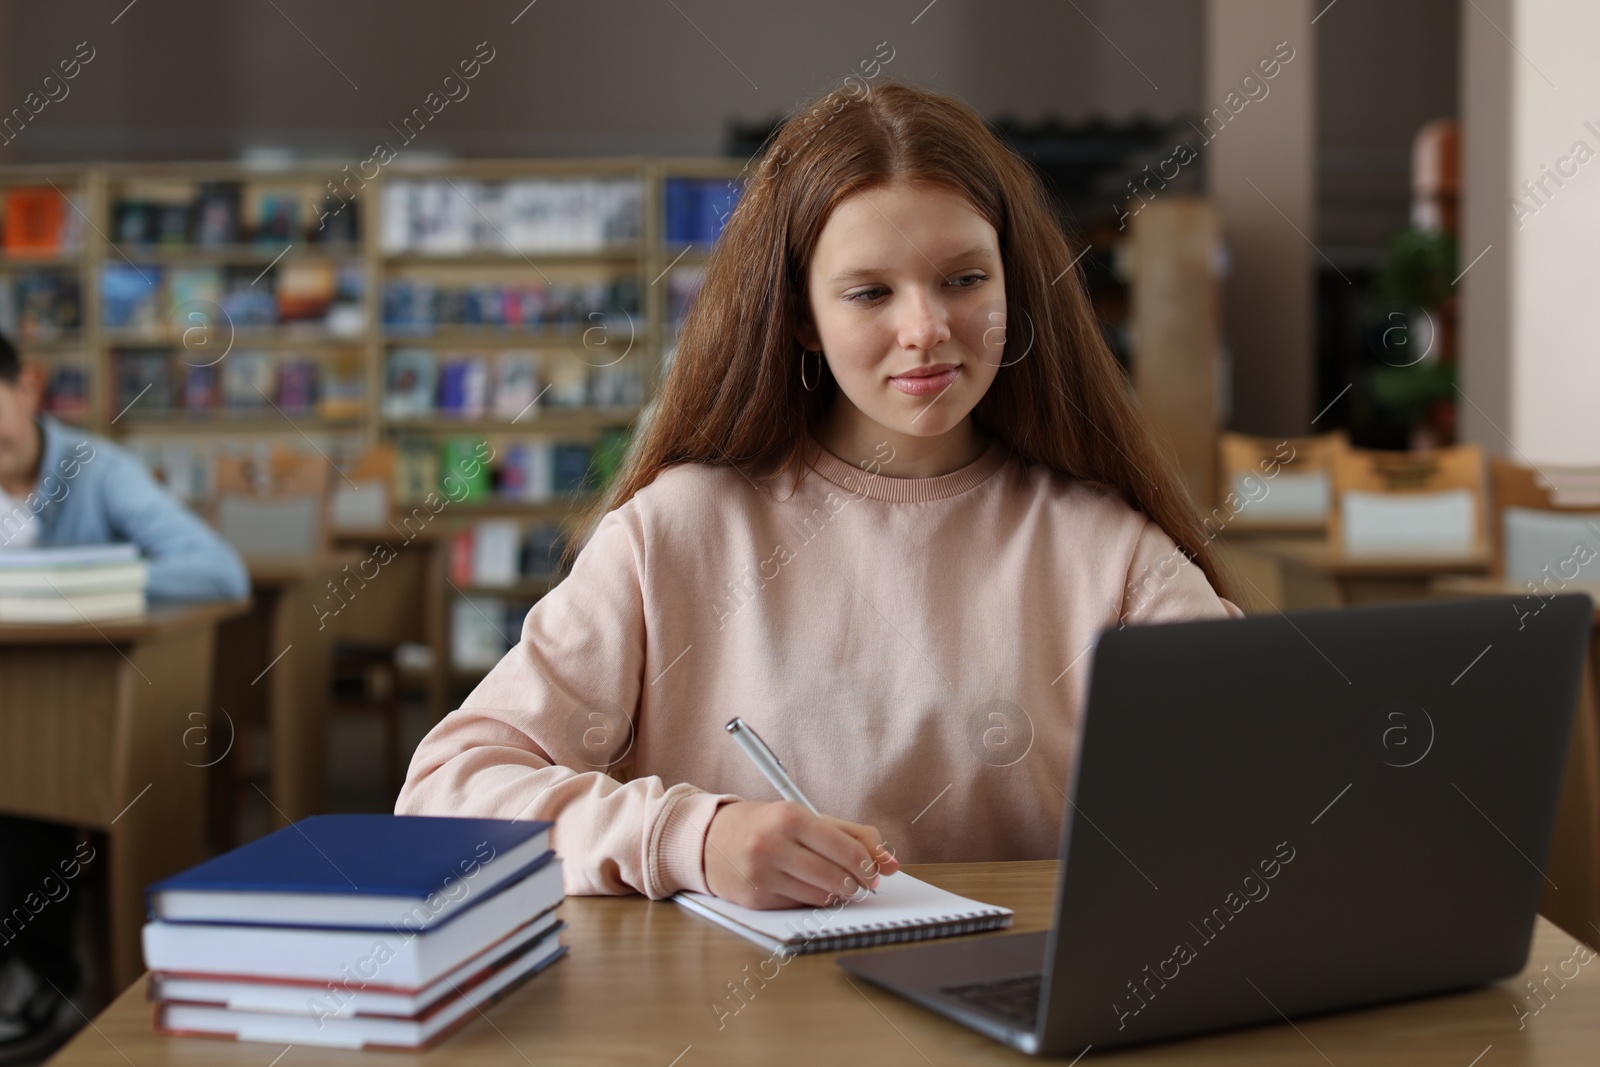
<point x="777" y="854"/>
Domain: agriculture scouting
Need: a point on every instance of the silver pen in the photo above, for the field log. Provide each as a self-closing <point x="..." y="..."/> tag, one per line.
<point x="770" y="766"/>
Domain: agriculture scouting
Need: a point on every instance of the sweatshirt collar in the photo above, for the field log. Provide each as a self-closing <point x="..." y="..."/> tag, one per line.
<point x="859" y="482"/>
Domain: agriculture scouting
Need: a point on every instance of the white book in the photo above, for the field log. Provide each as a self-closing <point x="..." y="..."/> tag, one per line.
<point x="903" y="909"/>
<point x="344" y="999"/>
<point x="90" y="607"/>
<point x="397" y="210"/>
<point x="130" y="577"/>
<point x="402" y="958"/>
<point x="496" y="545"/>
<point x="69" y="556"/>
<point x="359" y="1031"/>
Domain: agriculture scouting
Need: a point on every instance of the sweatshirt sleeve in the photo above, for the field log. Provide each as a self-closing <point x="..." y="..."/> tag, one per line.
<point x="1164" y="585"/>
<point x="188" y="560"/>
<point x="538" y="736"/>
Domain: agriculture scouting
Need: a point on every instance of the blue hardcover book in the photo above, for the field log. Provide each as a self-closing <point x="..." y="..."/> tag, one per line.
<point x="356" y="871"/>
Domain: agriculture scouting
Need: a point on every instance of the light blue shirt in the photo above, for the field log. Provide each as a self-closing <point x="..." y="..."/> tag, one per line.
<point x="93" y="492"/>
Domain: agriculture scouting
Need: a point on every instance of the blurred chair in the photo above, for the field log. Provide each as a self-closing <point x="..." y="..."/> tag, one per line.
<point x="274" y="510"/>
<point x="1409" y="504"/>
<point x="1546" y="524"/>
<point x="1285" y="485"/>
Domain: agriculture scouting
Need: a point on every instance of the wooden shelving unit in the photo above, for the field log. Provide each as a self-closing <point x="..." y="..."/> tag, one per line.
<point x="84" y="187"/>
<point x="646" y="261"/>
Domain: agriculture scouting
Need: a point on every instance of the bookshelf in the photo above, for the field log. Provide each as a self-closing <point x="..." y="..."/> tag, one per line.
<point x="48" y="281"/>
<point x="192" y="310"/>
<point x="582" y="311"/>
<point x="234" y="317"/>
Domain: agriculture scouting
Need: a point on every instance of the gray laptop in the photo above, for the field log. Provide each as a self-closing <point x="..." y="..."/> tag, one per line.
<point x="1284" y="815"/>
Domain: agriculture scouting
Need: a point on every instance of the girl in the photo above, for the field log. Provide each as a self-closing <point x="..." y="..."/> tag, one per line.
<point x="890" y="491"/>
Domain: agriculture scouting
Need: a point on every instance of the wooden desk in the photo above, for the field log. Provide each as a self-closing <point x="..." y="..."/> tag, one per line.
<point x="1575" y="853"/>
<point x="98" y="729"/>
<point x="641" y="978"/>
<point x="1352" y="579"/>
<point x="276" y="672"/>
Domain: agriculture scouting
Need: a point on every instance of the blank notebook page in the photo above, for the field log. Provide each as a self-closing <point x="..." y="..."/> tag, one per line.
<point x="903" y="909"/>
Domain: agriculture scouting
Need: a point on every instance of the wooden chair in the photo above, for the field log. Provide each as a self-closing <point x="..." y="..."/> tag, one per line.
<point x="1409" y="504"/>
<point x="1281" y="486"/>
<point x="1540" y="517"/>
<point x="275" y="509"/>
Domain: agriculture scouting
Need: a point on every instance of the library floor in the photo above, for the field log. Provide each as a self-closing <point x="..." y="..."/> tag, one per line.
<point x="354" y="745"/>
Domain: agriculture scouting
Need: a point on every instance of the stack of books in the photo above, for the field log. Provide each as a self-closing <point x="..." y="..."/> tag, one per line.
<point x="79" y="584"/>
<point x="354" y="931"/>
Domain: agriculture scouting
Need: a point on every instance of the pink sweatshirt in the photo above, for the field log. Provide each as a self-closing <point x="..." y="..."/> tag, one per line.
<point x="915" y="650"/>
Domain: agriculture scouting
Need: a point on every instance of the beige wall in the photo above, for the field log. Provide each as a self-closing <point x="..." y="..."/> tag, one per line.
<point x="206" y="78"/>
<point x="1530" y="373"/>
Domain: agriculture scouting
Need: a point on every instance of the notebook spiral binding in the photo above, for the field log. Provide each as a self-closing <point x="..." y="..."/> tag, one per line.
<point x="888" y="933"/>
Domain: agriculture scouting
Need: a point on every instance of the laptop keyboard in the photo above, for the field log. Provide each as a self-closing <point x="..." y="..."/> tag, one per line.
<point x="1014" y="999"/>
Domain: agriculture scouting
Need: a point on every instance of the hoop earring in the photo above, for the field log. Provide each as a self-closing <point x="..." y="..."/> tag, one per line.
<point x="804" y="352"/>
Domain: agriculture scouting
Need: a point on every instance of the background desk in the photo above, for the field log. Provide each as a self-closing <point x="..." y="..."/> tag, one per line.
<point x="104" y="726"/>
<point x="641" y="977"/>
<point x="1298" y="573"/>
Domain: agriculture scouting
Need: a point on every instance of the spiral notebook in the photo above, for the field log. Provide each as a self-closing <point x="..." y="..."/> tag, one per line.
<point x="903" y="909"/>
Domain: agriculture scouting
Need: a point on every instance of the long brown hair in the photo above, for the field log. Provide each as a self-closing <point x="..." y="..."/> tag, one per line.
<point x="733" y="396"/>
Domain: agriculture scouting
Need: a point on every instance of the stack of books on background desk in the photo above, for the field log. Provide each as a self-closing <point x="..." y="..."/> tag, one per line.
<point x="66" y="585"/>
<point x="354" y="930"/>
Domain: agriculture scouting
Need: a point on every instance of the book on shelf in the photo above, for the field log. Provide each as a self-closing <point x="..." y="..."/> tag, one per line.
<point x="683" y="286"/>
<point x="297" y="385"/>
<point x="568" y="381"/>
<point x="274" y="214"/>
<point x="249" y="296"/>
<point x="40" y="304"/>
<point x="66" y="394"/>
<point x="516" y="385"/>
<point x="415" y="925"/>
<point x="201" y="389"/>
<point x="144" y="378"/>
<point x="216" y="214"/>
<point x="416" y="473"/>
<point x="477" y="636"/>
<point x="542" y="547"/>
<point x="247" y="380"/>
<point x="698" y="208"/>
<point x="610" y="452"/>
<point x="421" y="305"/>
<point x="463" y="386"/>
<point x="347" y="315"/>
<point x="496" y="553"/>
<point x="187" y="286"/>
<point x="465" y="477"/>
<point x="500" y="553"/>
<point x="129" y="296"/>
<point x="411" y="382"/>
<point x="342" y="390"/>
<point x="620" y="385"/>
<point x="570" y="463"/>
<point x="526" y="471"/>
<point x="305" y="289"/>
<point x="35" y="221"/>
<point x="456" y="216"/>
